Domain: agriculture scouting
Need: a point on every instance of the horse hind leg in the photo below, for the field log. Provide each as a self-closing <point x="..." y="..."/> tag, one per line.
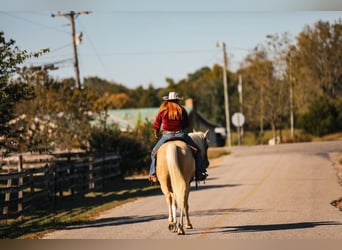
<point x="180" y="229"/>
<point x="173" y="216"/>
<point x="183" y="212"/>
<point x="188" y="224"/>
<point x="187" y="219"/>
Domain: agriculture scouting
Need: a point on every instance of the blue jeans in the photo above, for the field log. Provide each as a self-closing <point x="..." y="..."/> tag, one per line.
<point x="200" y="168"/>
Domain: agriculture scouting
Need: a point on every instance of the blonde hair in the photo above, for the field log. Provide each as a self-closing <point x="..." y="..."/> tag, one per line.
<point x="172" y="109"/>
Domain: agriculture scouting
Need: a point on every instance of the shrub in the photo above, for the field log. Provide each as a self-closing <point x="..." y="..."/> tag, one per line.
<point x="322" y="118"/>
<point x="134" y="147"/>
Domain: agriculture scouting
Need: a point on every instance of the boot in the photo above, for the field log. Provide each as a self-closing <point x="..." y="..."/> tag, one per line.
<point x="201" y="176"/>
<point x="153" y="178"/>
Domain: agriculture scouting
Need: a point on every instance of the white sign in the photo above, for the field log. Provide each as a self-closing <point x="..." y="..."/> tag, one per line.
<point x="238" y="119"/>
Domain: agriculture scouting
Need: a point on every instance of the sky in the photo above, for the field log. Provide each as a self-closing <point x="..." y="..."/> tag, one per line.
<point x="137" y="44"/>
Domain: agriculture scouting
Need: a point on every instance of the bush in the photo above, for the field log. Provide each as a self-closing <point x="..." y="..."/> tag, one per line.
<point x="322" y="118"/>
<point x="134" y="147"/>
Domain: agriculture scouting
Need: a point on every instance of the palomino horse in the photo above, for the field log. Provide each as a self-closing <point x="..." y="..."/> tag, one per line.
<point x="175" y="170"/>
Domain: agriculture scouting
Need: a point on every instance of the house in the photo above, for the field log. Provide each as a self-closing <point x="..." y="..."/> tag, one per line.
<point x="127" y="119"/>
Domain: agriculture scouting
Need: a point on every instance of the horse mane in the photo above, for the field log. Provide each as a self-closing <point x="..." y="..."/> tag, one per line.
<point x="198" y="138"/>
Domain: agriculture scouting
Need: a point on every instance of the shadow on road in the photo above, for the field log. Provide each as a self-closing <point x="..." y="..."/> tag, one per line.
<point x="125" y="220"/>
<point x="223" y="211"/>
<point x="116" y="221"/>
<point x="277" y="227"/>
<point x="206" y="186"/>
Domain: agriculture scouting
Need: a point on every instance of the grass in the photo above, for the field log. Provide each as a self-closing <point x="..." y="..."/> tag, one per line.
<point x="330" y="137"/>
<point x="250" y="138"/>
<point x="77" y="209"/>
<point x="214" y="152"/>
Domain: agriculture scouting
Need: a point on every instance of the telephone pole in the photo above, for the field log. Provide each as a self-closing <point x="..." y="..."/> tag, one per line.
<point x="71" y="16"/>
<point x="240" y="90"/>
<point x="226" y="95"/>
<point x="291" y="99"/>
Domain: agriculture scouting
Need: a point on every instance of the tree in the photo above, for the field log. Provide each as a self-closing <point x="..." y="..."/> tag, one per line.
<point x="257" y="73"/>
<point x="143" y="98"/>
<point x="267" y="88"/>
<point x="319" y="54"/>
<point x="35" y="113"/>
<point x="72" y="116"/>
<point x="102" y="86"/>
<point x="11" y="92"/>
<point x="206" y="88"/>
<point x="316" y="68"/>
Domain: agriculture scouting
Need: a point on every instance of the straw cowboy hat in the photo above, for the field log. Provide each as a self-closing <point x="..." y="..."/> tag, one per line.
<point x="172" y="96"/>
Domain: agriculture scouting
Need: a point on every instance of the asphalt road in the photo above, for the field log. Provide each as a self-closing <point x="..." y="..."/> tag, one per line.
<point x="259" y="192"/>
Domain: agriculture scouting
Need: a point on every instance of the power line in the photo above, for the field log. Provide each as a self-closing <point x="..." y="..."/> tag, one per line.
<point x="96" y="52"/>
<point x="161" y="52"/>
<point x="33" y="22"/>
<point x="60" y="48"/>
<point x="143" y="53"/>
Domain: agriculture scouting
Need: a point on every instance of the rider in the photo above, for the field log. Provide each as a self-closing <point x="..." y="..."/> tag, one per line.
<point x="172" y="119"/>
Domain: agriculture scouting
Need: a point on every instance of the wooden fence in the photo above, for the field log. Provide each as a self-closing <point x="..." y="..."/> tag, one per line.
<point x="26" y="183"/>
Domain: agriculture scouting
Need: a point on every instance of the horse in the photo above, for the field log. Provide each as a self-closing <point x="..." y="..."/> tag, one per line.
<point x="175" y="170"/>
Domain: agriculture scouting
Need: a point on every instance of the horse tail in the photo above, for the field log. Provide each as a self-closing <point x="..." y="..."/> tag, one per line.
<point x="177" y="180"/>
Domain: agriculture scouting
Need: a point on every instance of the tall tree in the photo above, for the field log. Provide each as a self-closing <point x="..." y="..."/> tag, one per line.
<point x="11" y="92"/>
<point x="205" y="86"/>
<point x="266" y="68"/>
<point x="143" y="98"/>
<point x="319" y="56"/>
<point x="257" y="73"/>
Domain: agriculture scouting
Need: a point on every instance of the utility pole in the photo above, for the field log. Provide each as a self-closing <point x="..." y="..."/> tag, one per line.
<point x="240" y="102"/>
<point x="226" y="95"/>
<point x="71" y="16"/>
<point x="291" y="99"/>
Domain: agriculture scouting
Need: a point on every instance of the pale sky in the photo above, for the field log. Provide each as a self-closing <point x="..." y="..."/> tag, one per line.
<point x="135" y="44"/>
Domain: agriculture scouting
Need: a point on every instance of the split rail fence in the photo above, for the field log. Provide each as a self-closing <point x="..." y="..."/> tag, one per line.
<point x="26" y="183"/>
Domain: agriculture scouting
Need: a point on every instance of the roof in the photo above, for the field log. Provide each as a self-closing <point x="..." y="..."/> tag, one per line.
<point x="130" y="118"/>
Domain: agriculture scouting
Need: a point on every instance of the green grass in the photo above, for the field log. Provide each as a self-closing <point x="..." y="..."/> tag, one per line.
<point x="330" y="137"/>
<point x="77" y="209"/>
<point x="250" y="138"/>
<point x="214" y="152"/>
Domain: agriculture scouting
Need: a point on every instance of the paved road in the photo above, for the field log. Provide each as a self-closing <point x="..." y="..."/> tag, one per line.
<point x="259" y="192"/>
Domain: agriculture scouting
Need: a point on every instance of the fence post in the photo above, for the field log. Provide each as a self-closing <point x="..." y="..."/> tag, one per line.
<point x="91" y="174"/>
<point x="103" y="171"/>
<point x="71" y="178"/>
<point x="7" y="196"/>
<point x="20" y="184"/>
<point x="52" y="173"/>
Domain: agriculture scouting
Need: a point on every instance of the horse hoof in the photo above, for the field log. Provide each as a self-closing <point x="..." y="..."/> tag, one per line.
<point x="189" y="226"/>
<point x="180" y="232"/>
<point x="172" y="227"/>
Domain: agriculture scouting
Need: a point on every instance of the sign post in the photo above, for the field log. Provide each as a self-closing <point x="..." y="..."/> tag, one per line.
<point x="238" y="120"/>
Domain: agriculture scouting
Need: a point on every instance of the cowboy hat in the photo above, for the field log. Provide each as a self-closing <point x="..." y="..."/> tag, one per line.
<point x="172" y="96"/>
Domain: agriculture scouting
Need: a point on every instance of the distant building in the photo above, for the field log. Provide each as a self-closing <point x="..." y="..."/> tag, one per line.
<point x="127" y="119"/>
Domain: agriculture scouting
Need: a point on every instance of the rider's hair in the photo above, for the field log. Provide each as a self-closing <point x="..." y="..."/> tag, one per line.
<point x="172" y="109"/>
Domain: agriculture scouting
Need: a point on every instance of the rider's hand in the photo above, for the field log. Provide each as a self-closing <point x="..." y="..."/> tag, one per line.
<point x="156" y="134"/>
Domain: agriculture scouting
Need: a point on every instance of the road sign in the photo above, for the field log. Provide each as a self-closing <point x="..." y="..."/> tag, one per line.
<point x="238" y="119"/>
